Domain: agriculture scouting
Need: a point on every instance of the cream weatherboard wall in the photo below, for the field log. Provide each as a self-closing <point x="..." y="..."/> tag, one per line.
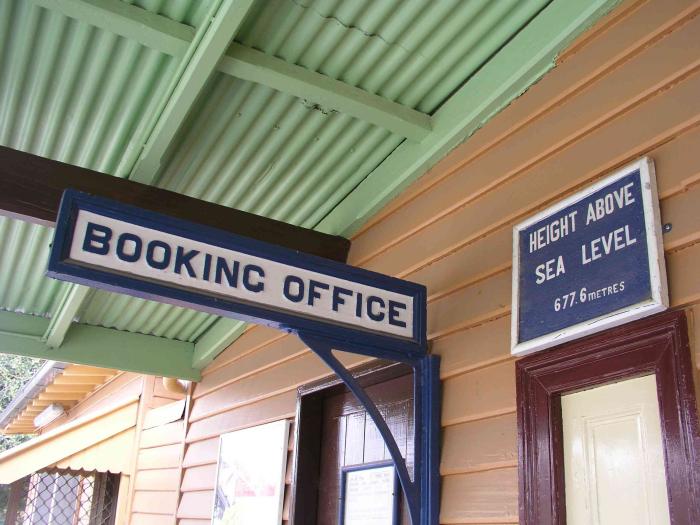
<point x="157" y="455"/>
<point x="627" y="88"/>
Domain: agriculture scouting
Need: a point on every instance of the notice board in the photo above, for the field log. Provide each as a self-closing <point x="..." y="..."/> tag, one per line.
<point x="592" y="261"/>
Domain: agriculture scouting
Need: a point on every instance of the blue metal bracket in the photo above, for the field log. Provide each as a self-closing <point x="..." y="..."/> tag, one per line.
<point x="422" y="491"/>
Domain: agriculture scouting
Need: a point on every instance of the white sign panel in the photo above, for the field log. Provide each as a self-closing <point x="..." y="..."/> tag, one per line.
<point x="100" y="241"/>
<point x="370" y="496"/>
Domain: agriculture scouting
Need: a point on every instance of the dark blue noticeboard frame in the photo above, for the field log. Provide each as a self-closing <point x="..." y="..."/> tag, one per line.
<point x="579" y="267"/>
<point x="355" y="339"/>
<point x="368" y="466"/>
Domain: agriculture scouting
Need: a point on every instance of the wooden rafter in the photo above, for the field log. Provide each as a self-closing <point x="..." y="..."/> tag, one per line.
<point x="149" y="29"/>
<point x="173" y="38"/>
<point x="196" y="67"/>
<point x="255" y="66"/>
<point x="82" y="370"/>
<point x="78" y="380"/>
<point x="57" y="396"/>
<point x="75" y="389"/>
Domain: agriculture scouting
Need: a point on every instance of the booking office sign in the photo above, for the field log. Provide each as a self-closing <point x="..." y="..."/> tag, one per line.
<point x="591" y="262"/>
<point x="121" y="248"/>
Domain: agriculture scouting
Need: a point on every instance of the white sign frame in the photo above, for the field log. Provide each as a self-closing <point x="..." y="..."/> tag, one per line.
<point x="278" y="456"/>
<point x="657" y="266"/>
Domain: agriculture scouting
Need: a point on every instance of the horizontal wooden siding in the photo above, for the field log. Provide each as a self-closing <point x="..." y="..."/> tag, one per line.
<point x="627" y="88"/>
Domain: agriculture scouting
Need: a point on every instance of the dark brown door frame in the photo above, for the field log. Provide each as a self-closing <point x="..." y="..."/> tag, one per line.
<point x="658" y="345"/>
<point x="307" y="433"/>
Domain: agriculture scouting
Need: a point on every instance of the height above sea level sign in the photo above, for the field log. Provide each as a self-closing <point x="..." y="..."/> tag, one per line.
<point x="591" y="262"/>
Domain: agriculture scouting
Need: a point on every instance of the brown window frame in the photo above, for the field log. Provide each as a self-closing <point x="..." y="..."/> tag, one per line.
<point x="659" y="345"/>
<point x="307" y="432"/>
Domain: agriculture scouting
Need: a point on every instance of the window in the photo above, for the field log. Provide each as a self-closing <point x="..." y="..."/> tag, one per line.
<point x="63" y="497"/>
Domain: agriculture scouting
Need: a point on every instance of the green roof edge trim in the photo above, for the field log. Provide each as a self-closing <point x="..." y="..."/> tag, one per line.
<point x="523" y="61"/>
<point x="22" y="334"/>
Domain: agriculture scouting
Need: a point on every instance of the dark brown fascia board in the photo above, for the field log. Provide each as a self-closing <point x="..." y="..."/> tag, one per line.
<point x="31" y="188"/>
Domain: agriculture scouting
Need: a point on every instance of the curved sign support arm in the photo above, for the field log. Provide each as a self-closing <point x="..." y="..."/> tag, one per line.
<point x="421" y="491"/>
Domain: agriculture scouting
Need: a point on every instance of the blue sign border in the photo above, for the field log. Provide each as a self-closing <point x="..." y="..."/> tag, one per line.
<point x="350" y="338"/>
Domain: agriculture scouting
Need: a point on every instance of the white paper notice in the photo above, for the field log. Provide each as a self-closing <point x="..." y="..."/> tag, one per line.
<point x="369" y="496"/>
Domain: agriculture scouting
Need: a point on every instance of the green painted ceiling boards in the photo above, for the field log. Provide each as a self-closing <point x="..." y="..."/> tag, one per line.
<point x="309" y="108"/>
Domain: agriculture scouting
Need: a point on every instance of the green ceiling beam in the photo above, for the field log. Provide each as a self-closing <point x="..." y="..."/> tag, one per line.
<point x="134" y="23"/>
<point x="175" y="39"/>
<point x="520" y="63"/>
<point x="22" y="334"/>
<point x="210" y="43"/>
<point x="255" y="66"/>
<point x="215" y="340"/>
<point x="73" y="299"/>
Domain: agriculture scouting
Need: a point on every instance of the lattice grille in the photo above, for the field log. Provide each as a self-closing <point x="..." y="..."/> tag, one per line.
<point x="64" y="497"/>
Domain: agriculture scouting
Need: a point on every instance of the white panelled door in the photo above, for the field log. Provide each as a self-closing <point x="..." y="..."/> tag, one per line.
<point x="613" y="455"/>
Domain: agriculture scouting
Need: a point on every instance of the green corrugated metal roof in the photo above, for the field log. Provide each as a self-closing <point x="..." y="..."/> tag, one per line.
<point x="414" y="52"/>
<point x="256" y="149"/>
<point x="23" y="287"/>
<point x="83" y="95"/>
<point x="190" y="12"/>
<point x="71" y="92"/>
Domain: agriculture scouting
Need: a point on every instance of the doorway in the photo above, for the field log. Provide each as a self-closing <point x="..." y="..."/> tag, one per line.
<point x="614" y="466"/>
<point x="342" y="468"/>
<point x="592" y="393"/>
